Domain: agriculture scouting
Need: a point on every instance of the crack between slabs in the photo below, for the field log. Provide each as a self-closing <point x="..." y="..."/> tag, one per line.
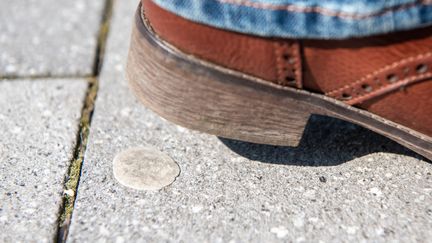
<point x="43" y="77"/>
<point x="72" y="180"/>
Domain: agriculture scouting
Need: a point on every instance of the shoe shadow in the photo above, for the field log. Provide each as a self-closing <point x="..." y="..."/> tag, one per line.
<point x="326" y="142"/>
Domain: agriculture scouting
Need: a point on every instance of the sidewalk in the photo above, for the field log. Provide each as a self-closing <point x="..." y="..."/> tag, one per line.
<point x="352" y="185"/>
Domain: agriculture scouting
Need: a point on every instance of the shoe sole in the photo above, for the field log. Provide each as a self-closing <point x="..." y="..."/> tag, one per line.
<point x="202" y="96"/>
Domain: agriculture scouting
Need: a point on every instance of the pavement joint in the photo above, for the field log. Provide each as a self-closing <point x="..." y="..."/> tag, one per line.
<point x="73" y="177"/>
<point x="103" y="36"/>
<point x="44" y="77"/>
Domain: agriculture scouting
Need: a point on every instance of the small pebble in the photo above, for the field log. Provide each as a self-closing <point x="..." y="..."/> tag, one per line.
<point x="375" y="191"/>
<point x="69" y="192"/>
<point x="322" y="179"/>
<point x="280" y="232"/>
<point x="145" y="168"/>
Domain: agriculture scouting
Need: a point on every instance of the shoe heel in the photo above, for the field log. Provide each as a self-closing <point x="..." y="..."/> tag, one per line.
<point x="207" y="99"/>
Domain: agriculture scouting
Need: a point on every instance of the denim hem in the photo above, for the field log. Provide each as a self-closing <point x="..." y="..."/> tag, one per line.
<point x="312" y="19"/>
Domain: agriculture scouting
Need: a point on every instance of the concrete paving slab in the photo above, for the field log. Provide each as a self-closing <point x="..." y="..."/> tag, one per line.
<point x="38" y="126"/>
<point x="51" y="37"/>
<point x="343" y="183"/>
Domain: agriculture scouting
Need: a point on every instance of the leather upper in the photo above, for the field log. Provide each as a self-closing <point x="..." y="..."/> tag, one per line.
<point x="388" y="75"/>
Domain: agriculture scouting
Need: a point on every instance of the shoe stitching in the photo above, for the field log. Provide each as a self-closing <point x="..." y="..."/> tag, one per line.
<point x="277" y="53"/>
<point x="390" y="87"/>
<point x="376" y="73"/>
<point x="297" y="66"/>
<point x="287" y="63"/>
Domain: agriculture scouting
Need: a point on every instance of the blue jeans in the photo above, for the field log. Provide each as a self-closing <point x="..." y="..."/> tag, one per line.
<point x="323" y="19"/>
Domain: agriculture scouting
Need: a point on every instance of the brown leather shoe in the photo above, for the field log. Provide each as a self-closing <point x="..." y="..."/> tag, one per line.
<point x="263" y="90"/>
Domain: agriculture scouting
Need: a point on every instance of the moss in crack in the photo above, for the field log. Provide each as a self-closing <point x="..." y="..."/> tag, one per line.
<point x="74" y="172"/>
<point x="72" y="181"/>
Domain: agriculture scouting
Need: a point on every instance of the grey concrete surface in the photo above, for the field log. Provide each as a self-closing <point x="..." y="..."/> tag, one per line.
<point x="342" y="184"/>
<point x="51" y="37"/>
<point x="38" y="126"/>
